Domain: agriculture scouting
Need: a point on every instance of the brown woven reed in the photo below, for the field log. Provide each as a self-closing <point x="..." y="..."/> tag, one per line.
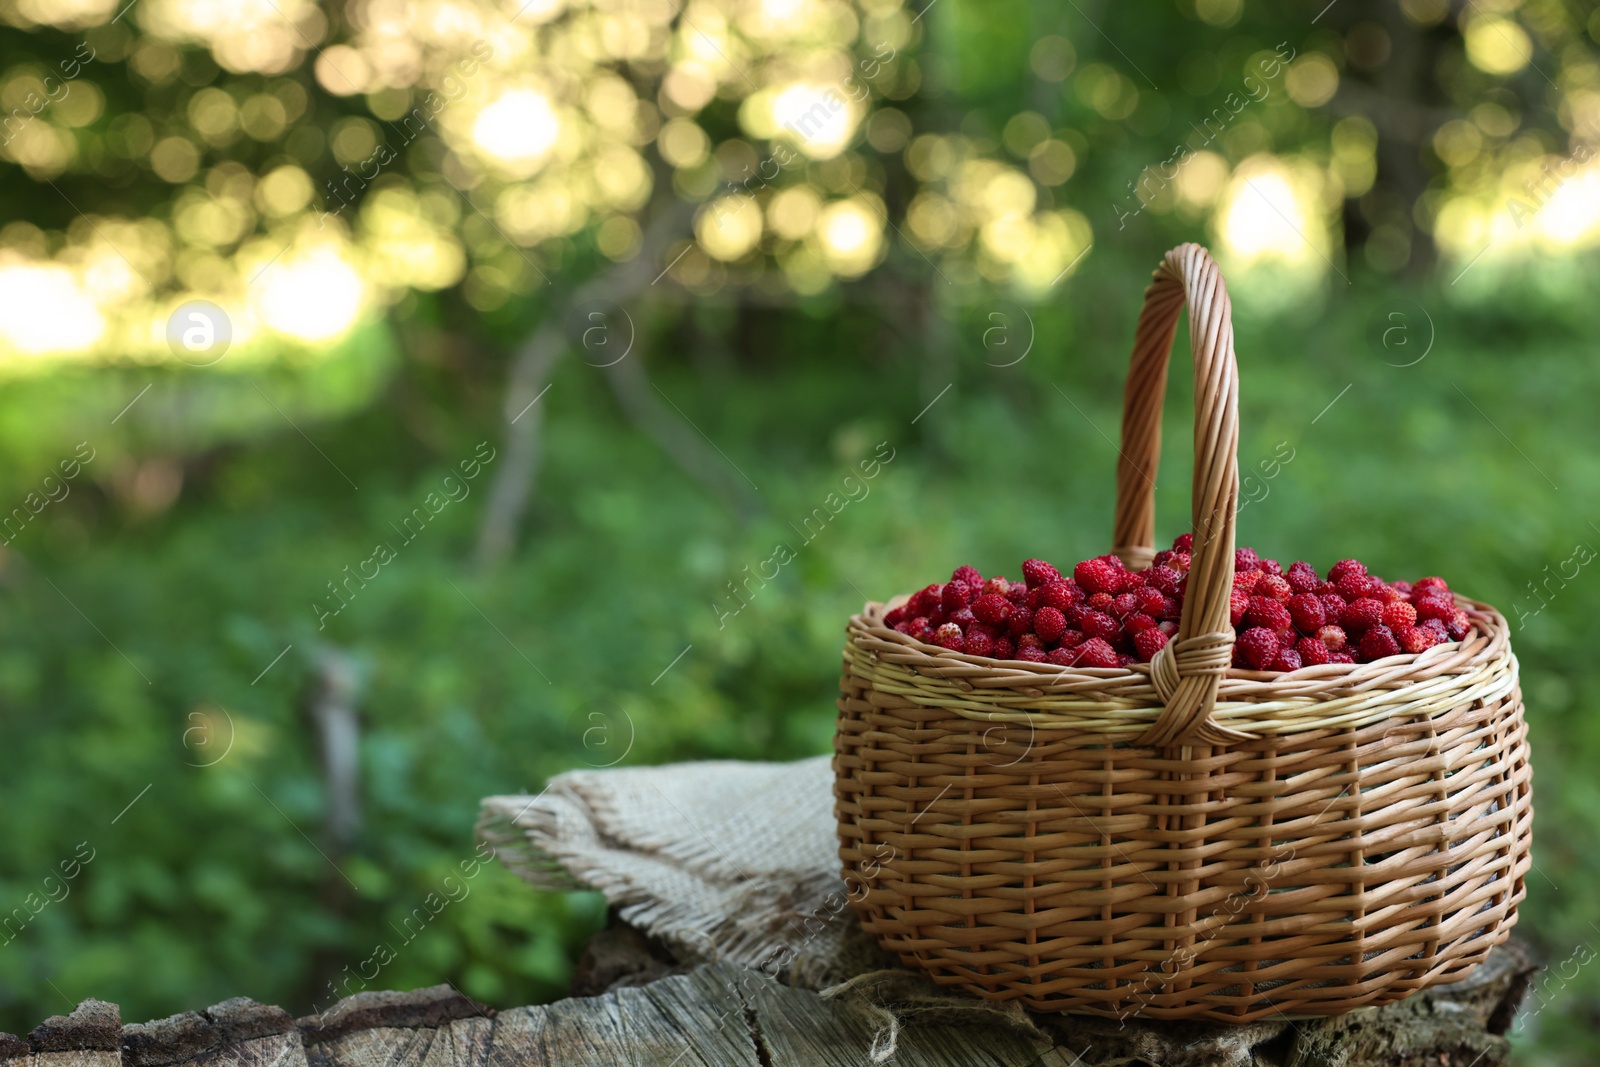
<point x="1183" y="840"/>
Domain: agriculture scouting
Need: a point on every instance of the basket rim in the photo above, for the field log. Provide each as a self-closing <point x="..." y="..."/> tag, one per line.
<point x="1123" y="700"/>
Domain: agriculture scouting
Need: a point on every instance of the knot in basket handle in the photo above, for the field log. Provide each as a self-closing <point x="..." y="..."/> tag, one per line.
<point x="1187" y="671"/>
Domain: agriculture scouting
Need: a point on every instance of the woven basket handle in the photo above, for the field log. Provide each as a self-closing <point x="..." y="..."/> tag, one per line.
<point x="1187" y="671"/>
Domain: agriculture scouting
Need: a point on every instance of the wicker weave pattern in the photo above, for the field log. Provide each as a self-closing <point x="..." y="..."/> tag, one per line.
<point x="1176" y="841"/>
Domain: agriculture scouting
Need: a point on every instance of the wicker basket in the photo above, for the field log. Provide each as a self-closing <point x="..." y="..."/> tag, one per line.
<point x="1182" y="840"/>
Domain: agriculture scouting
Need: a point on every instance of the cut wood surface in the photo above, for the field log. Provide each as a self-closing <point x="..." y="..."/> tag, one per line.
<point x="718" y="1015"/>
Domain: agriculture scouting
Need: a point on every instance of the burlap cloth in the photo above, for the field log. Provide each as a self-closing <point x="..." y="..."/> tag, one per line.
<point x="722" y="861"/>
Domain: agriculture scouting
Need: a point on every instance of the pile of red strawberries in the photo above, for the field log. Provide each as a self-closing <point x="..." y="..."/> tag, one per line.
<point x="1105" y="615"/>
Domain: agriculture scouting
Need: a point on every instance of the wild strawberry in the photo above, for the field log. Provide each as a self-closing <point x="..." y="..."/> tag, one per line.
<point x="1361" y="614"/>
<point x="1245" y="581"/>
<point x="1340" y="657"/>
<point x="1021" y="621"/>
<point x="1390" y="595"/>
<point x="1138" y="622"/>
<point x="1344" y="567"/>
<point x="956" y="595"/>
<point x="1306" y="611"/>
<point x="1435" y="607"/>
<point x="1061" y="595"/>
<point x="1004" y="648"/>
<point x="1270" y="566"/>
<point x="1151" y="601"/>
<point x="1378" y="642"/>
<point x="949" y="636"/>
<point x="963" y="618"/>
<point x="1354" y="586"/>
<point x="1403" y="588"/>
<point x="1097" y="653"/>
<point x="999" y="586"/>
<point x="1029" y="641"/>
<point x="1165" y="579"/>
<point x="968" y="575"/>
<point x="1101" y="602"/>
<point x="1179" y="561"/>
<point x="925" y="601"/>
<point x="1062" y="657"/>
<point x="992" y="608"/>
<point x="894" y="617"/>
<point x="1415" y="639"/>
<point x="1313" y="653"/>
<point x="1435" y="626"/>
<point x="1183" y="543"/>
<point x="1098" y="624"/>
<point x="1133" y="581"/>
<point x="1333" y="637"/>
<point x="1303" y="578"/>
<point x="1326" y="589"/>
<point x="1049" y="624"/>
<point x="1123" y="605"/>
<point x="1098" y="575"/>
<point x="1245" y="559"/>
<point x="1167" y="626"/>
<point x="1271" y="585"/>
<point x="1073" y="638"/>
<point x="1429" y="587"/>
<point x="1017" y="594"/>
<point x="1148" y="642"/>
<point x="985" y="628"/>
<point x="1287" y="659"/>
<point x="1399" y="614"/>
<point x="1264" y="611"/>
<point x="1037" y="572"/>
<point x="1333" y="604"/>
<point x="978" y="643"/>
<point x="1238" y="604"/>
<point x="1031" y="654"/>
<point x="1458" y="626"/>
<point x="1256" y="648"/>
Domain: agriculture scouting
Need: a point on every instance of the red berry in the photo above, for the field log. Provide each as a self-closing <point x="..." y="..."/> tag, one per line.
<point x="1062" y="657"/>
<point x="1430" y="586"/>
<point x="1138" y="622"/>
<point x="1245" y="559"/>
<point x="1399" y="614"/>
<point x="1361" y="614"/>
<point x="1167" y="626"/>
<point x="998" y="586"/>
<point x="1073" y="638"/>
<point x="1165" y="579"/>
<point x="1306" y="611"/>
<point x="1017" y="593"/>
<point x="1101" y="602"/>
<point x="1344" y="567"/>
<point x="963" y="618"/>
<point x="1135" y="580"/>
<point x="1099" y="624"/>
<point x="1404" y="588"/>
<point x="1030" y="654"/>
<point x="1333" y="637"/>
<point x="1004" y="648"/>
<point x="1037" y="572"/>
<point x="1178" y="561"/>
<point x="1148" y="642"/>
<point x="1246" y="580"/>
<point x="992" y="608"/>
<point x="1287" y="660"/>
<point x="1099" y="575"/>
<point x="1270" y="566"/>
<point x="1458" y="626"/>
<point x="956" y="595"/>
<point x="1060" y="595"/>
<point x="1313" y="653"/>
<point x="1303" y="578"/>
<point x="1390" y="595"/>
<point x="1333" y="604"/>
<point x="1151" y="602"/>
<point x="1354" y="586"/>
<point x="1435" y="607"/>
<point x="1049" y="624"/>
<point x="968" y="574"/>
<point x="1256" y="648"/>
<point x="894" y="617"/>
<point x="1340" y="657"/>
<point x="1027" y="641"/>
<point x="925" y="601"/>
<point x="1264" y="611"/>
<point x="1183" y="543"/>
<point x="1124" y="604"/>
<point x="949" y="636"/>
<point x="978" y="643"/>
<point x="1097" y="653"/>
<point x="1271" y="585"/>
<point x="1415" y="639"/>
<point x="1435" y="626"/>
<point x="1238" y="604"/>
<point x="1021" y="621"/>
<point x="1379" y="642"/>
